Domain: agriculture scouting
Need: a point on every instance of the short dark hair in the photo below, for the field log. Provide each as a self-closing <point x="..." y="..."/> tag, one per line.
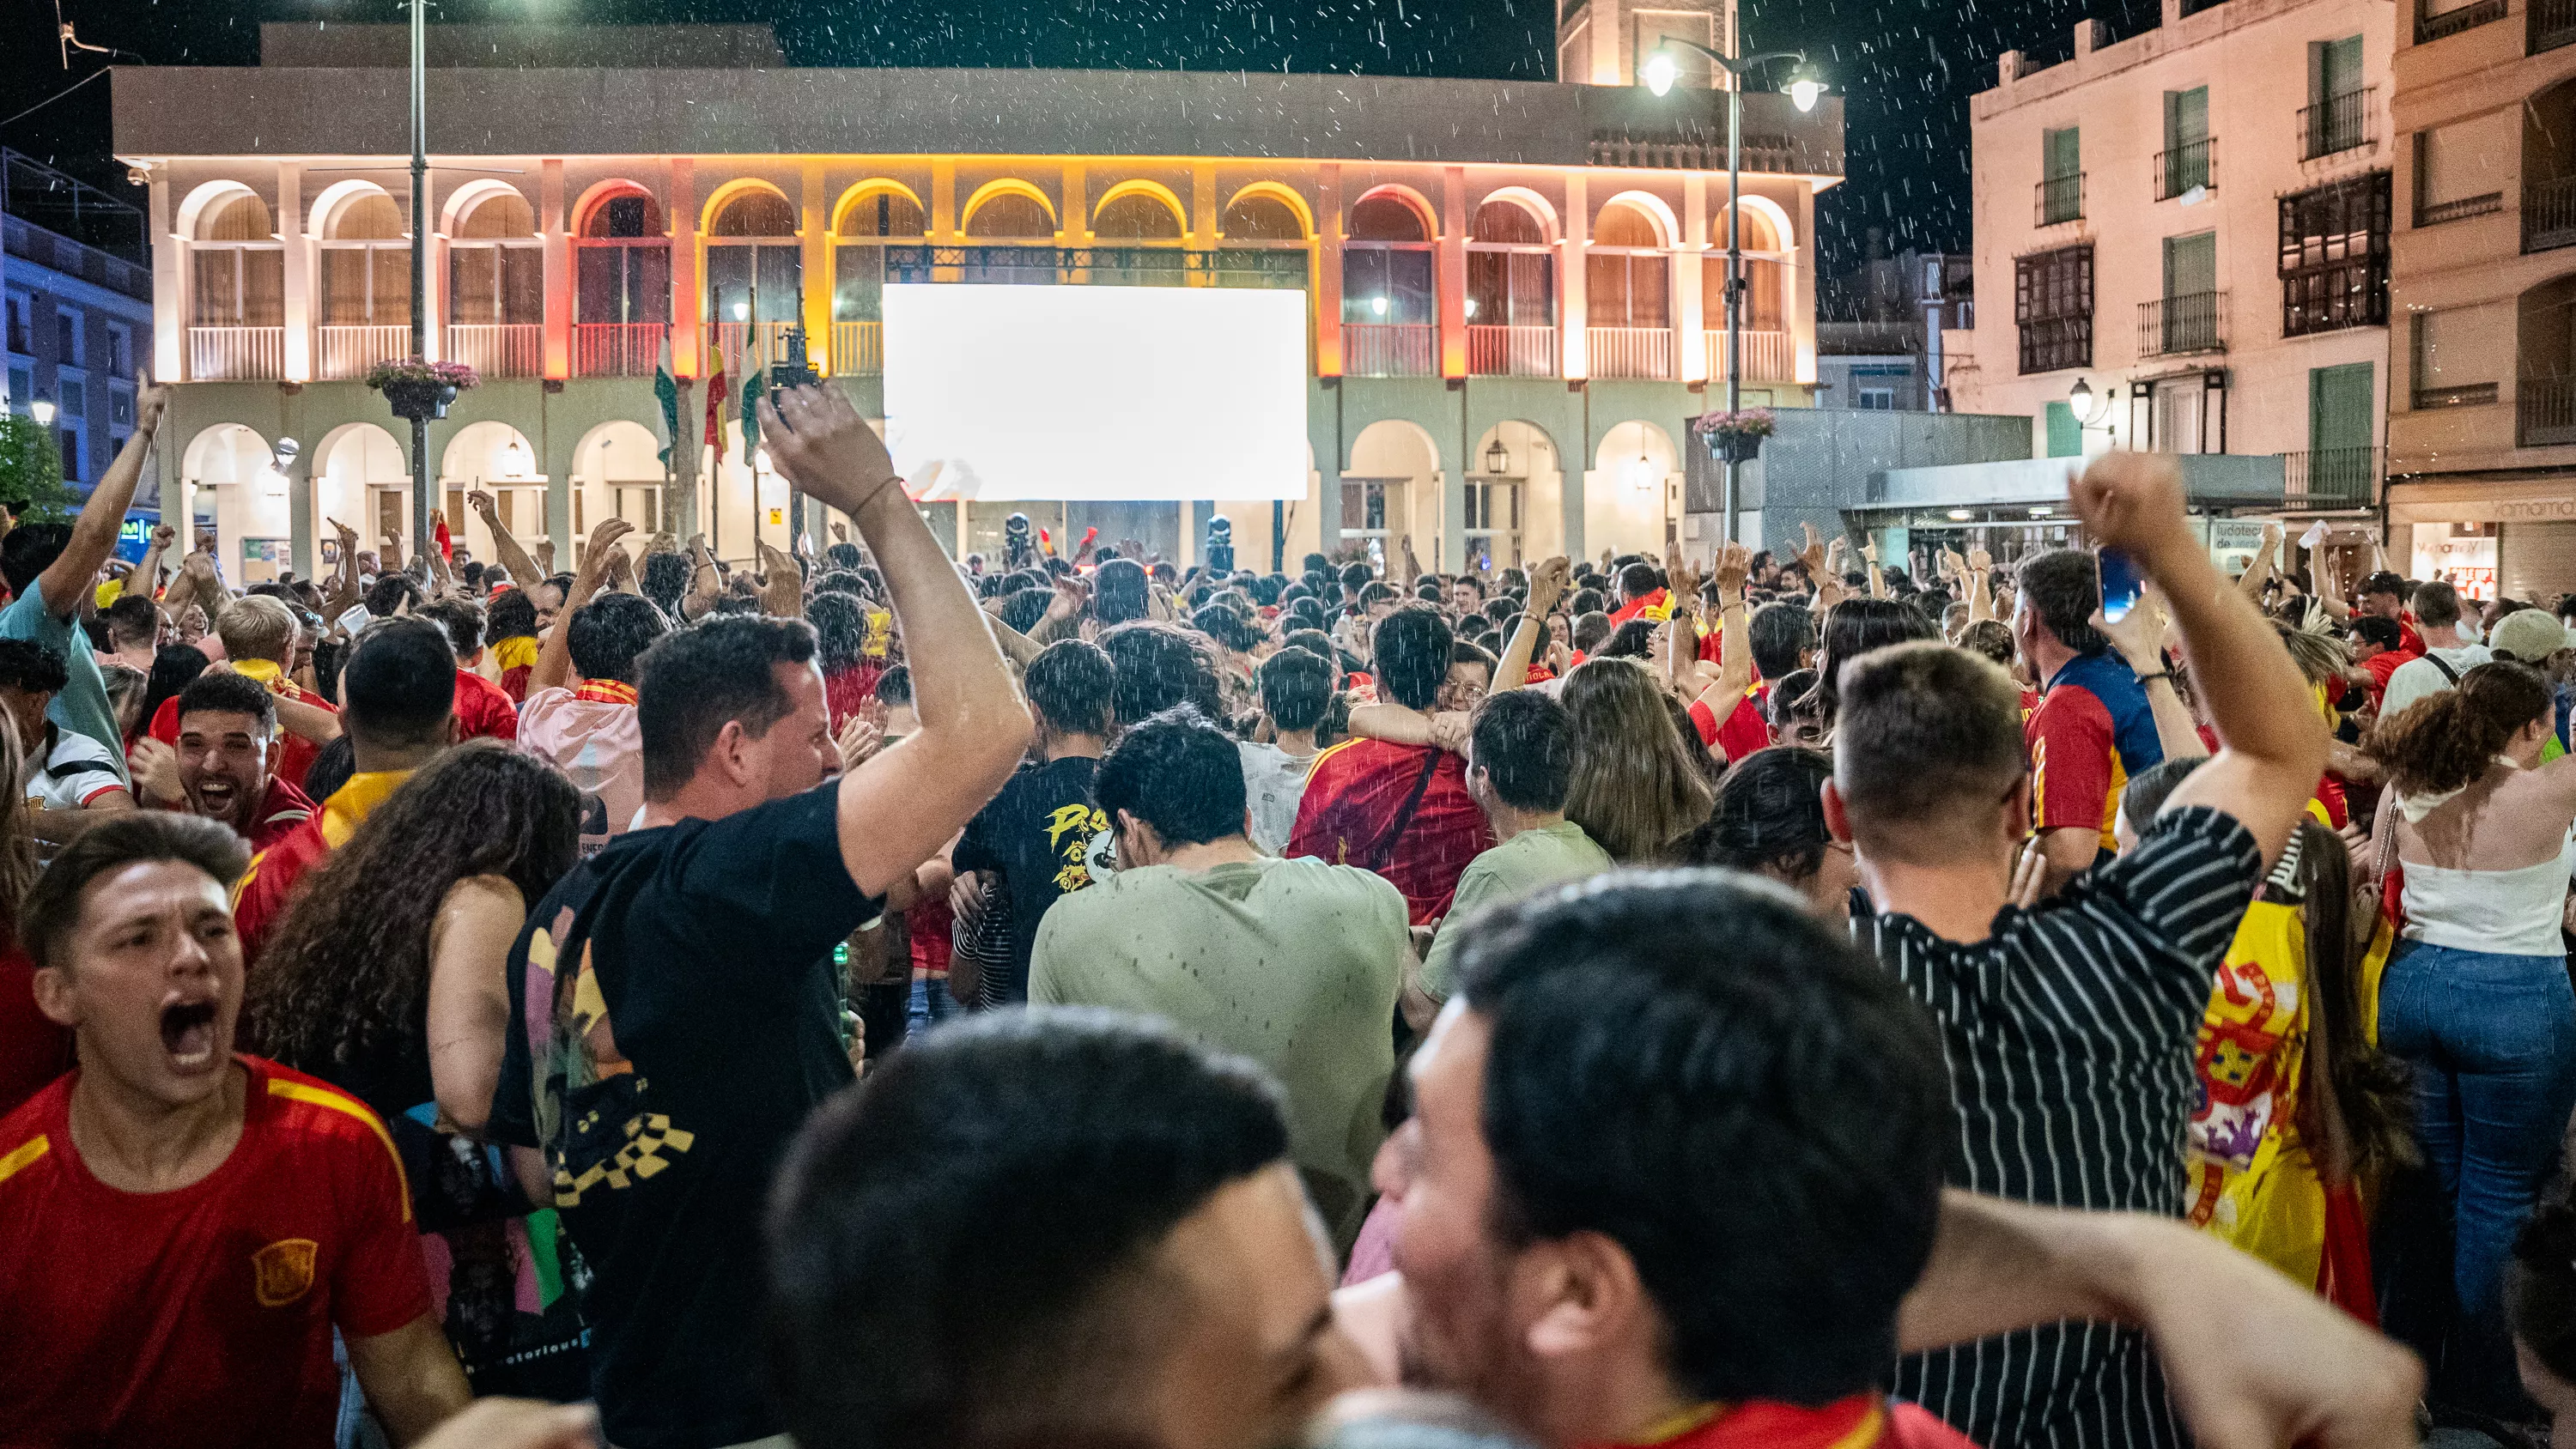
<point x="955" y="1246"/>
<point x="664" y="579"/>
<point x="512" y="614"/>
<point x="895" y="685"/>
<point x="35" y="668"/>
<point x="1119" y="592"/>
<point x="1411" y="655"/>
<point x="134" y="616"/>
<point x="1524" y="742"/>
<point x="1023" y="608"/>
<point x="697" y="680"/>
<point x="399" y="687"/>
<point x="1637" y="580"/>
<point x="1354" y="576"/>
<point x="29" y="550"/>
<point x="1780" y="636"/>
<point x="608" y="634"/>
<point x="2384" y="582"/>
<point x="842" y="555"/>
<point x="2063" y="586"/>
<point x="52" y="908"/>
<point x="462" y="620"/>
<point x="1297" y="688"/>
<point x="1920" y="730"/>
<point x="1073" y="687"/>
<point x="2436" y="604"/>
<point x="1226" y="627"/>
<point x="2144" y="796"/>
<point x="1770" y="815"/>
<point x="1160" y="665"/>
<point x="1651" y="1034"/>
<point x="1178" y="773"/>
<point x="2377" y="629"/>
<point x="387" y="595"/>
<point x="1589" y="628"/>
<point x="228" y="693"/>
<point x="840" y="628"/>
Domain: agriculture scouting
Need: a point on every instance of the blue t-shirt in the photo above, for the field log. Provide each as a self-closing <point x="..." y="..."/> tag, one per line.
<point x="81" y="706"/>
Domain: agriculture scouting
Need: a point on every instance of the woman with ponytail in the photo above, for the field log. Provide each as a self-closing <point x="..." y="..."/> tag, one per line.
<point x="2476" y="996"/>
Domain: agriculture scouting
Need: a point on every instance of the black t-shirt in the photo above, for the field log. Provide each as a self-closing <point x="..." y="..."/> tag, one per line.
<point x="1040" y="833"/>
<point x="674" y="1015"/>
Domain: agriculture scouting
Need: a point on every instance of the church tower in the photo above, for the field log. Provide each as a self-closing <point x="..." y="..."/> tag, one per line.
<point x="1606" y="42"/>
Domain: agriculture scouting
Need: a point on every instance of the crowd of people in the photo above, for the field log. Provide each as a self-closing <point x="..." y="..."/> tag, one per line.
<point x="867" y="1001"/>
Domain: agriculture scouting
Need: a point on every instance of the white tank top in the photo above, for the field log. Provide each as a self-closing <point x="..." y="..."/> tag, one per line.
<point x="2501" y="912"/>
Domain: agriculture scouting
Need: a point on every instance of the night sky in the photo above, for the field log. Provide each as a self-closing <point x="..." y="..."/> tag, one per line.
<point x="1905" y="69"/>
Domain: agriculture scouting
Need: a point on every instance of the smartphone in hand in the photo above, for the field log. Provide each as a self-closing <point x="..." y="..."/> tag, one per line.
<point x="2121" y="583"/>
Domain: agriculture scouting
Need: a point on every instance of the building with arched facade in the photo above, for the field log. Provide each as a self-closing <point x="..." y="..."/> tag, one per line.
<point x="1513" y="287"/>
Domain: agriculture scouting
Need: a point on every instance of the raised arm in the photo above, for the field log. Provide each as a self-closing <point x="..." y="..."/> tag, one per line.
<point x="1735" y="643"/>
<point x="706" y="581"/>
<point x="782" y="583"/>
<point x="1681" y="624"/>
<point x="65" y="581"/>
<point x="523" y="569"/>
<point x="2328" y="593"/>
<point x="1877" y="581"/>
<point x="144" y="578"/>
<point x="2266" y="559"/>
<point x="344" y="593"/>
<point x="2139" y="638"/>
<point x="1547" y="586"/>
<point x="553" y="668"/>
<point x="2272" y="745"/>
<point x="899" y="808"/>
<point x="1980" y="576"/>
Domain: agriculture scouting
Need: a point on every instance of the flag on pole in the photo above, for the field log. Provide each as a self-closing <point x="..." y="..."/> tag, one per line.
<point x="667" y="393"/>
<point x="751" y="391"/>
<point x="716" y="400"/>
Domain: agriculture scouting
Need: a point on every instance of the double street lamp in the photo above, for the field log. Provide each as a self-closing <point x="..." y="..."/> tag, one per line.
<point x="1663" y="67"/>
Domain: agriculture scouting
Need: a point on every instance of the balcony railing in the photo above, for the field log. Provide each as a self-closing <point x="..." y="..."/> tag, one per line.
<point x="2058" y="199"/>
<point x="345" y="351"/>
<point x="1389" y="349"/>
<point x="2338" y="124"/>
<point x="2545" y="412"/>
<point x="735" y="347"/>
<point x="1768" y="356"/>
<point x="2549" y="214"/>
<point x="617" y="349"/>
<point x="2436" y="213"/>
<point x="498" y="349"/>
<point x="2553" y="24"/>
<point x="1511" y="351"/>
<point x="2191" y="166"/>
<point x="234" y="354"/>
<point x="858" y="349"/>
<point x="2429" y="28"/>
<point x="1629" y="351"/>
<point x="1102" y="266"/>
<point x="2333" y="477"/>
<point x="2191" y="322"/>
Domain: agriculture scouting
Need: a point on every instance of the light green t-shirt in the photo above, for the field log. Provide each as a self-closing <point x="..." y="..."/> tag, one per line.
<point x="1293" y="963"/>
<point x="1528" y="862"/>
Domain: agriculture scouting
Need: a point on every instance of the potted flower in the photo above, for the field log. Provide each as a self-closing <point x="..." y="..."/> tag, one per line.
<point x="416" y="389"/>
<point x="1734" y="437"/>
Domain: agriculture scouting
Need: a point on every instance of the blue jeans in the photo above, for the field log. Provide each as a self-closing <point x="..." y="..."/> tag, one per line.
<point x="931" y="1002"/>
<point x="2492" y="1042"/>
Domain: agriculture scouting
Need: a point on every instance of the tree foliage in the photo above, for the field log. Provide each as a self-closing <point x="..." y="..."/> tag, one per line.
<point x="31" y="472"/>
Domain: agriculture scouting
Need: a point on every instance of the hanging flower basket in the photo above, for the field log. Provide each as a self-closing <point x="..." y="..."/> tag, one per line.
<point x="1734" y="437"/>
<point x="415" y="389"/>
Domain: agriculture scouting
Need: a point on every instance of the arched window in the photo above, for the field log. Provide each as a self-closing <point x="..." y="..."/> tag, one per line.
<point x="1136" y="217"/>
<point x="624" y="267"/>
<point x="1764" y="304"/>
<point x="496" y="265"/>
<point x="1260" y="218"/>
<point x="1011" y="216"/>
<point x="366" y="265"/>
<point x="1386" y="264"/>
<point x="755" y="272"/>
<point x="239" y="266"/>
<point x="1510" y="277"/>
<point x="1626" y="275"/>
<point x="859" y="252"/>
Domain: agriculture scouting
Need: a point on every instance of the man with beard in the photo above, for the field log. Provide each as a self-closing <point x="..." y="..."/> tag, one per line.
<point x="188" y="1227"/>
<point x="1065" y="1226"/>
<point x="224" y="765"/>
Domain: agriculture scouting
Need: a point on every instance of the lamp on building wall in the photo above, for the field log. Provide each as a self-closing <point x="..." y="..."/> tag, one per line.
<point x="1378" y="305"/>
<point x="514" y="460"/>
<point x="1663" y="67"/>
<point x="1498" y="459"/>
<point x="286" y="452"/>
<point x="42" y="410"/>
<point x="2080" y="398"/>
<point x="1641" y="474"/>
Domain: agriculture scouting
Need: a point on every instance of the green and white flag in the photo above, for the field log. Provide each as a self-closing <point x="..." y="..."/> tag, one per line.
<point x="666" y="392"/>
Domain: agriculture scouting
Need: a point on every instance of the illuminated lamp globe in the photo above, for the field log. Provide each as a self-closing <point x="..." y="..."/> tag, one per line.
<point x="1661" y="71"/>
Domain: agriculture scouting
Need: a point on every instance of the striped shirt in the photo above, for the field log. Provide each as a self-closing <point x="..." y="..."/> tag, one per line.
<point x="2069" y="1038"/>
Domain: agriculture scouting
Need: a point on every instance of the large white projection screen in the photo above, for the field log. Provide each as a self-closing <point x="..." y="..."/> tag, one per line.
<point x="1096" y="393"/>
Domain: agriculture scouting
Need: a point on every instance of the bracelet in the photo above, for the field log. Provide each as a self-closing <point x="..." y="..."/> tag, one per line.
<point x="2159" y="674"/>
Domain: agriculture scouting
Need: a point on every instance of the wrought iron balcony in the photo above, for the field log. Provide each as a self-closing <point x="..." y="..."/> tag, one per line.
<point x="2191" y="166"/>
<point x="2059" y="199"/>
<point x="2192" y="322"/>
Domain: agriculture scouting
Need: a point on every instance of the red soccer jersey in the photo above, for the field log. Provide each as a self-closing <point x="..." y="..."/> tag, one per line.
<point x="1747" y="727"/>
<point x="1350" y="815"/>
<point x="1863" y="1421"/>
<point x="201" y="1316"/>
<point x="294" y="752"/>
<point x="259" y="901"/>
<point x="847" y="691"/>
<point x="483" y="709"/>
<point x="2380" y="666"/>
<point x="1635" y="607"/>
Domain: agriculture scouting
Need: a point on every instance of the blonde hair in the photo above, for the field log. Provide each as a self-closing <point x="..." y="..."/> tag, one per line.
<point x="1635" y="788"/>
<point x="256" y="627"/>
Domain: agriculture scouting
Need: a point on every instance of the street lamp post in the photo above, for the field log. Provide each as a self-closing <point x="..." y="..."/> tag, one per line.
<point x="1662" y="68"/>
<point x="423" y="536"/>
